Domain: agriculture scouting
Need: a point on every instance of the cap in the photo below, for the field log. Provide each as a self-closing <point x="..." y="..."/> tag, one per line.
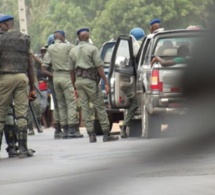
<point x="60" y="32"/>
<point x="138" y="33"/>
<point x="83" y="30"/>
<point x="154" y="21"/>
<point x="50" y="39"/>
<point x="5" y="18"/>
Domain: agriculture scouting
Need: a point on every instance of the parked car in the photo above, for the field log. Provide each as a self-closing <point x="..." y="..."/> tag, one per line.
<point x="158" y="89"/>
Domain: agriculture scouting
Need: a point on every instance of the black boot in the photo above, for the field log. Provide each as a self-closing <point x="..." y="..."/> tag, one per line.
<point x="65" y="131"/>
<point x="108" y="137"/>
<point x="11" y="139"/>
<point x="58" y="134"/>
<point x="123" y="132"/>
<point x="31" y="129"/>
<point x="92" y="137"/>
<point x="79" y="135"/>
<point x="72" y="132"/>
<point x="22" y="140"/>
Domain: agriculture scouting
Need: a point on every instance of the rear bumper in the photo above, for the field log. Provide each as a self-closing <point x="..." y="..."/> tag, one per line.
<point x="165" y="105"/>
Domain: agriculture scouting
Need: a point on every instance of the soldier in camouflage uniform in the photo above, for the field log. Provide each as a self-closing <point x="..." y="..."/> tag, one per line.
<point x="85" y="65"/>
<point x="59" y="58"/>
<point x="15" y="62"/>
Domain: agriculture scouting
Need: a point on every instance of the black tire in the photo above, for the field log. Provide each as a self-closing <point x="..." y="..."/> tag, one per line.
<point x="135" y="129"/>
<point x="151" y="124"/>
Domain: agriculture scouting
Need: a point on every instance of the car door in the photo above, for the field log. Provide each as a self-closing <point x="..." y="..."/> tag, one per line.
<point x="122" y="73"/>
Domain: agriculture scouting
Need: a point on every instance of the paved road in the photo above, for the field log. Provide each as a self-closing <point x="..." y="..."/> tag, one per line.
<point x="126" y="167"/>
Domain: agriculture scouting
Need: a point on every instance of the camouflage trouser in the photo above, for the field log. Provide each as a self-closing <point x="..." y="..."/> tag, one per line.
<point x="65" y="98"/>
<point x="89" y="91"/>
<point x="37" y="109"/>
<point x="130" y="112"/>
<point x="13" y="87"/>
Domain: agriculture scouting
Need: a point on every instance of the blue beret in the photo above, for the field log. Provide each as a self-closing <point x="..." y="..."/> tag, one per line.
<point x="5" y="18"/>
<point x="83" y="30"/>
<point x="155" y="21"/>
<point x="60" y="32"/>
<point x="50" y="39"/>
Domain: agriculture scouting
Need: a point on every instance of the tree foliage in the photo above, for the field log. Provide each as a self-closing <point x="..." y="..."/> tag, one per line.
<point x="106" y="18"/>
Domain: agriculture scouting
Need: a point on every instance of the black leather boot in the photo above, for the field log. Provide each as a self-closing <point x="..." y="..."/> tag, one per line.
<point x="79" y="135"/>
<point x="22" y="140"/>
<point x="72" y="132"/>
<point x="65" y="131"/>
<point x="11" y="139"/>
<point x="108" y="137"/>
<point x="31" y="129"/>
<point x="40" y="130"/>
<point x="92" y="137"/>
<point x="58" y="134"/>
<point x="123" y="132"/>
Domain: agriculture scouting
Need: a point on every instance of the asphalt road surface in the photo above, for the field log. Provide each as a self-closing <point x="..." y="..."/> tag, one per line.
<point x="126" y="167"/>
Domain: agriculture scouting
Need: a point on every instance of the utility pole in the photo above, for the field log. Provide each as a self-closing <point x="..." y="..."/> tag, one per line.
<point x="22" y="17"/>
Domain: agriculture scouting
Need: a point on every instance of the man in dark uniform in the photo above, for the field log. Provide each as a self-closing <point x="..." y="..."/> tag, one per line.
<point x="15" y="63"/>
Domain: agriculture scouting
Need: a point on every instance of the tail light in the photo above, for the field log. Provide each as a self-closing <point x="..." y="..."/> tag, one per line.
<point x="156" y="85"/>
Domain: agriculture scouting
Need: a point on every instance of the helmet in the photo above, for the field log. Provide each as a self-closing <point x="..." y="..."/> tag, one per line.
<point x="138" y="33"/>
<point x="50" y="39"/>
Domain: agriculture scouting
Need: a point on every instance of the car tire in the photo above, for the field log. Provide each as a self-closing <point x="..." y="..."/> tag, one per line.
<point x="151" y="124"/>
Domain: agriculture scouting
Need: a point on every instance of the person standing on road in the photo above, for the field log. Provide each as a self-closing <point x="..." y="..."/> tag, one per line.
<point x="86" y="70"/>
<point x="16" y="62"/>
<point x="47" y="70"/>
<point x="138" y="34"/>
<point x="59" y="57"/>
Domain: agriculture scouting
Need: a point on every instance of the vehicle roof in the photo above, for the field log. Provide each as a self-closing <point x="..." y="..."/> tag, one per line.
<point x="175" y="31"/>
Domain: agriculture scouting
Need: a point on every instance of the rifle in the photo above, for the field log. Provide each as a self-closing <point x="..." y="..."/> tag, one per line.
<point x="39" y="130"/>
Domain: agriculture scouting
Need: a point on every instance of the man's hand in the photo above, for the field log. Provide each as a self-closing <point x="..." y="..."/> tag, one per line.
<point x="155" y="59"/>
<point x="107" y="88"/>
<point x="32" y="96"/>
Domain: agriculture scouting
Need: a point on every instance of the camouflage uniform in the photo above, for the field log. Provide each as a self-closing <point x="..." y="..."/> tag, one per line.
<point x="58" y="57"/>
<point x="15" y="53"/>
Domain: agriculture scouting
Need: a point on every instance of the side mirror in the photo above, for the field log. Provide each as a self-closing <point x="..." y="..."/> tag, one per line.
<point x="121" y="61"/>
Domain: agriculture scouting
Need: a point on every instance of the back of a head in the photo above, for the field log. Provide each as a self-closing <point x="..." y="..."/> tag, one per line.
<point x="183" y="50"/>
<point x="138" y="33"/>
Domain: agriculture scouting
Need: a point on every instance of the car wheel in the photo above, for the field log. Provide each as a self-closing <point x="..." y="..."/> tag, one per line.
<point x="151" y="124"/>
<point x="135" y="129"/>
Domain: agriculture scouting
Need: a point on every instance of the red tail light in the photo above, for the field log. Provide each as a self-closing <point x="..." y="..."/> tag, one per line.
<point x="156" y="85"/>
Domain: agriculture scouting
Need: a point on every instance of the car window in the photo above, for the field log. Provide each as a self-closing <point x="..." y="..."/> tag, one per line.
<point x="169" y="47"/>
